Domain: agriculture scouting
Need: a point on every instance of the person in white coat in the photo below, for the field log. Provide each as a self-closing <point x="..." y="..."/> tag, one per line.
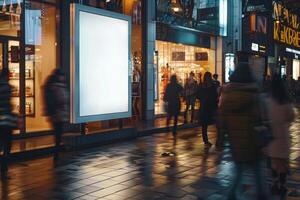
<point x="281" y="113"/>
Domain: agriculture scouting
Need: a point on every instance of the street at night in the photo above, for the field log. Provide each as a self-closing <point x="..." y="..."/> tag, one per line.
<point x="150" y="167"/>
<point x="150" y="99"/>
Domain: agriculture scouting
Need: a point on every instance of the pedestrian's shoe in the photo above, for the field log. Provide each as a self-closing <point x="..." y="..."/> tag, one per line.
<point x="208" y="144"/>
<point x="4" y="176"/>
<point x="174" y="134"/>
<point x="283" y="191"/>
<point x="219" y="148"/>
<point x="231" y="197"/>
<point x="275" y="189"/>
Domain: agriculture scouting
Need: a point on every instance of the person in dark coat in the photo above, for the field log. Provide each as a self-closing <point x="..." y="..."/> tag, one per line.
<point x="172" y="98"/>
<point x="57" y="104"/>
<point x="208" y="96"/>
<point x="239" y="113"/>
<point x="8" y="121"/>
<point x="190" y="91"/>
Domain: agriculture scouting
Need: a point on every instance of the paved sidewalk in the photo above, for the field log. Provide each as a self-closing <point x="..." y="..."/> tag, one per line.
<point x="152" y="167"/>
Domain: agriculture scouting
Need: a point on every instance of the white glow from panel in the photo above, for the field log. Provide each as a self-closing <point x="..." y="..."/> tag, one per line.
<point x="296" y="69"/>
<point x="103" y="61"/>
<point x="229" y="66"/>
<point x="254" y="47"/>
<point x="223" y="17"/>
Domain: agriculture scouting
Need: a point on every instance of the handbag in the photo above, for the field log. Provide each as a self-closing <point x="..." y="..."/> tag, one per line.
<point x="263" y="135"/>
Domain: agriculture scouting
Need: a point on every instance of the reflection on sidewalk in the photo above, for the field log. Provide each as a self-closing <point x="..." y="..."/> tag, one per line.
<point x="139" y="169"/>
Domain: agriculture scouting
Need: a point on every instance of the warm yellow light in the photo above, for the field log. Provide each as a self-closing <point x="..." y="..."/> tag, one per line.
<point x="176" y="9"/>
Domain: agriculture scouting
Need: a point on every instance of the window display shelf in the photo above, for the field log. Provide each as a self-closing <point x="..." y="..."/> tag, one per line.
<point x="16" y="78"/>
<point x="27" y="96"/>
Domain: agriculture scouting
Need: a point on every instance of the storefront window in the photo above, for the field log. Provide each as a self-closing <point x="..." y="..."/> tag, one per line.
<point x="13" y="62"/>
<point x="179" y="59"/>
<point x="41" y="28"/>
<point x="204" y="15"/>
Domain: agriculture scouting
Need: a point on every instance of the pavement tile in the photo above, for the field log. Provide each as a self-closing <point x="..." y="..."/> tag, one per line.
<point x="136" y="170"/>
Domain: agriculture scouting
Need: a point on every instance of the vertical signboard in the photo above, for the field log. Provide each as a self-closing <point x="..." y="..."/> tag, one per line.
<point x="100" y="64"/>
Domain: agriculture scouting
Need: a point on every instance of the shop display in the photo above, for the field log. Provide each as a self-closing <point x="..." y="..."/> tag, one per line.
<point x="14" y="77"/>
<point x="171" y="58"/>
<point x="201" y="56"/>
<point x="178" y="56"/>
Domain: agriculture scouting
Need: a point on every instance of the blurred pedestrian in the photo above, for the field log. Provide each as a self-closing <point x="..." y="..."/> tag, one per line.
<point x="208" y="95"/>
<point x="172" y="99"/>
<point x="57" y="104"/>
<point x="8" y="120"/>
<point x="267" y="84"/>
<point x="280" y="115"/>
<point x="298" y="90"/>
<point x="200" y="79"/>
<point x="216" y="82"/>
<point x="292" y="88"/>
<point x="190" y="91"/>
<point x="239" y="113"/>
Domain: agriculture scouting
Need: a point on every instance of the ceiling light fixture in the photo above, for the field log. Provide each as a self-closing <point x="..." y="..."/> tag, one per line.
<point x="19" y="8"/>
<point x="4" y="7"/>
<point x="175" y="6"/>
<point x="11" y="7"/>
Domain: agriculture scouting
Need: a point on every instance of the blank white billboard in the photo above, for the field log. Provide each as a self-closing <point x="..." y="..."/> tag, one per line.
<point x="100" y="65"/>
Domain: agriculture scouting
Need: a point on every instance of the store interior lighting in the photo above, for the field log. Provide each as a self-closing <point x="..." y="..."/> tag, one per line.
<point x="11" y="11"/>
<point x="175" y="6"/>
<point x="4" y="7"/>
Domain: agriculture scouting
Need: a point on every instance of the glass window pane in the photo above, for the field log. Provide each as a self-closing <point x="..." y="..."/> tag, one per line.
<point x="40" y="55"/>
<point x="14" y="74"/>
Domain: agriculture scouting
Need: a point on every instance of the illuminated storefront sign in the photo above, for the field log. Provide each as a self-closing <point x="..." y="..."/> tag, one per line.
<point x="254" y="47"/>
<point x="286" y="26"/>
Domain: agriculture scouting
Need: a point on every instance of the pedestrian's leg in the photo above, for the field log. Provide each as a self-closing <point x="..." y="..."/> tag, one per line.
<point x="186" y="110"/>
<point x="168" y="121"/>
<point x="175" y="124"/>
<point x="204" y="133"/>
<point x="275" y="182"/>
<point x="58" y="132"/>
<point x="282" y="183"/>
<point x="6" y="152"/>
<point x="236" y="182"/>
<point x="193" y="111"/>
<point x="136" y="106"/>
<point x="4" y="167"/>
<point x="259" y="180"/>
<point x="220" y="139"/>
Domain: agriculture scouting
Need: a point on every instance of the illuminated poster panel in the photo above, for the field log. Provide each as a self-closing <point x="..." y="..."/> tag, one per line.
<point x="100" y="67"/>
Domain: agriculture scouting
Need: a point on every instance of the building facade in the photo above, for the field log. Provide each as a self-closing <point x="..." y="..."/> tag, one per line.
<point x="271" y="37"/>
<point x="167" y="37"/>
